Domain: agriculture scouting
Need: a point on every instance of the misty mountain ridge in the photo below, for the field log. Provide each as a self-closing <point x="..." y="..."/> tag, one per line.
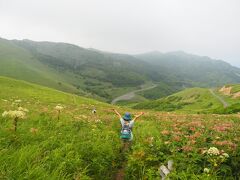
<point x="106" y="75"/>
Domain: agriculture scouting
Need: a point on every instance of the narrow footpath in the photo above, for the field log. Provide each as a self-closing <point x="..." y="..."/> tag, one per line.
<point x="130" y="95"/>
<point x="225" y="104"/>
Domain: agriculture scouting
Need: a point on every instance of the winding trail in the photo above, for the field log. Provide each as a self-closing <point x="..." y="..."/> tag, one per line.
<point x="131" y="94"/>
<point x="225" y="104"/>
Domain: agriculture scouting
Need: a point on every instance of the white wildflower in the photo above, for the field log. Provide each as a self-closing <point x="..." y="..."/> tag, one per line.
<point x="213" y="151"/>
<point x="18" y="101"/>
<point x="206" y="170"/>
<point x="225" y="155"/>
<point x="23" y="109"/>
<point x="14" y="114"/>
<point x="59" y="107"/>
<point x="17" y="114"/>
<point x="4" y="114"/>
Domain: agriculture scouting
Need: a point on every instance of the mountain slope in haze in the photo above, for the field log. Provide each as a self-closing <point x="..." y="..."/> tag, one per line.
<point x="127" y="71"/>
<point x="187" y="70"/>
<point x="58" y="65"/>
<point x="19" y="63"/>
<point x="105" y="75"/>
<point x="199" y="70"/>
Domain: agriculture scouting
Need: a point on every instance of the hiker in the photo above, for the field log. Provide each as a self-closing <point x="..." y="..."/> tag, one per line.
<point x="127" y="124"/>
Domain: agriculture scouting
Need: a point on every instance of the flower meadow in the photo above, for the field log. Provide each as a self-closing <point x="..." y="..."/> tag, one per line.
<point x="58" y="137"/>
<point x="199" y="149"/>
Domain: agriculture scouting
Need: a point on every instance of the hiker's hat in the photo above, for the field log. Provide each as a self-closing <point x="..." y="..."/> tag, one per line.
<point x="127" y="117"/>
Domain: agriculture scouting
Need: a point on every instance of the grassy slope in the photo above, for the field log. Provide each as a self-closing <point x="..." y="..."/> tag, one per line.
<point x="20" y="64"/>
<point x="61" y="149"/>
<point x="23" y="63"/>
<point x="85" y="146"/>
<point x="192" y="100"/>
<point x="236" y="88"/>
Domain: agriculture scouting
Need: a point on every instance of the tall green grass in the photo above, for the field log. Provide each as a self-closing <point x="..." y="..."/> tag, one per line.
<point x="82" y="145"/>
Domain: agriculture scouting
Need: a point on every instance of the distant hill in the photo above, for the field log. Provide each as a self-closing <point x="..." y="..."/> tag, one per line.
<point x="19" y="63"/>
<point x="82" y="71"/>
<point x="105" y="75"/>
<point x="198" y="70"/>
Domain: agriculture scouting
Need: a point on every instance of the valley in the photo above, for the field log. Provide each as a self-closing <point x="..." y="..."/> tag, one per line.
<point x="106" y="76"/>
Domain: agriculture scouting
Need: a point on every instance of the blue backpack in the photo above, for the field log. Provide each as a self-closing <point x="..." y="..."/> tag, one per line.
<point x="125" y="132"/>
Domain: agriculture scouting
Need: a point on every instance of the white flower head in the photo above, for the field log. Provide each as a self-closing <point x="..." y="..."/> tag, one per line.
<point x="18" y="101"/>
<point x="59" y="107"/>
<point x="213" y="151"/>
<point x="5" y="114"/>
<point x="225" y="155"/>
<point x="16" y="114"/>
<point x="206" y="170"/>
<point x="23" y="109"/>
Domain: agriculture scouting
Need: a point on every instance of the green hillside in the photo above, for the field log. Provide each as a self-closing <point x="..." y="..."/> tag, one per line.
<point x="46" y="148"/>
<point x="18" y="63"/>
<point x="104" y="74"/>
<point x="192" y="100"/>
<point x="24" y="62"/>
<point x="82" y="145"/>
<point x="198" y="100"/>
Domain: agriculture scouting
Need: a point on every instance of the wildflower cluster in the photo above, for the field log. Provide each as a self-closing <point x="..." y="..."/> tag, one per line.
<point x="59" y="108"/>
<point x="213" y="151"/>
<point x="15" y="115"/>
<point x="215" y="157"/>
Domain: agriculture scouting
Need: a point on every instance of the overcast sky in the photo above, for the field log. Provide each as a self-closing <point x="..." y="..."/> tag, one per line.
<point x="202" y="27"/>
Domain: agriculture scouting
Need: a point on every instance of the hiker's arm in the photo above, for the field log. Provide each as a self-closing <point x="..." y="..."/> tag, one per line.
<point x="137" y="116"/>
<point x="116" y="112"/>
